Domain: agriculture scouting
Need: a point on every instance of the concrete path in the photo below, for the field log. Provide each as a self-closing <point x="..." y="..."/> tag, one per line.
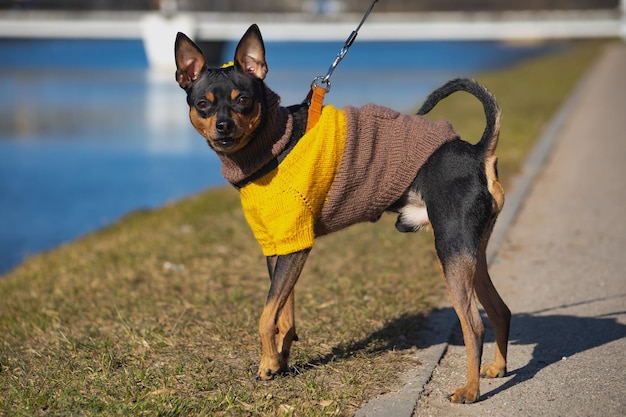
<point x="561" y="268"/>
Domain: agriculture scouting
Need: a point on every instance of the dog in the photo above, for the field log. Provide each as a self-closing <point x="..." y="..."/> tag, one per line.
<point x="351" y="166"/>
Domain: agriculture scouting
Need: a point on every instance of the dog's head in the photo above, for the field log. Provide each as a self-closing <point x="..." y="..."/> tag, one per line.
<point x="225" y="104"/>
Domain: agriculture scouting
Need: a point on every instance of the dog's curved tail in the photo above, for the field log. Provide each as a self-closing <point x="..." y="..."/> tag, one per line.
<point x="489" y="140"/>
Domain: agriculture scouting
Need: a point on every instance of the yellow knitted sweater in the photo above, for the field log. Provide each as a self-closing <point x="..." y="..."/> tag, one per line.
<point x="283" y="205"/>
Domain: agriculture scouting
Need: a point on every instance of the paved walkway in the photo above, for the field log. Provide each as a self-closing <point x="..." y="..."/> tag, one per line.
<point x="561" y="268"/>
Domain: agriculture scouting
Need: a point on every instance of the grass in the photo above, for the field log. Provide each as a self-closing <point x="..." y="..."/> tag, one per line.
<point x="157" y="314"/>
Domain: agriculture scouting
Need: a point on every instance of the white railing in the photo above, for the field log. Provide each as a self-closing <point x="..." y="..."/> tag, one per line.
<point x="157" y="29"/>
<point x="212" y="26"/>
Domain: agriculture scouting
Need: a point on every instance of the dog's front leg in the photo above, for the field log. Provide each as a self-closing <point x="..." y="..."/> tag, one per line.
<point x="286" y="327"/>
<point x="278" y="311"/>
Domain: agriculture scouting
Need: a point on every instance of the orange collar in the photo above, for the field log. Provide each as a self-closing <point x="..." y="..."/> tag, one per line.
<point x="316" y="98"/>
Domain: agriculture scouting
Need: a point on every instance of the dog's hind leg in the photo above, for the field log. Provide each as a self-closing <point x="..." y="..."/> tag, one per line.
<point x="459" y="217"/>
<point x="498" y="313"/>
<point x="286" y="270"/>
<point x="459" y="270"/>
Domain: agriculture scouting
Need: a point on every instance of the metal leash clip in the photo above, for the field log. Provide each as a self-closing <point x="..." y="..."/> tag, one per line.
<point x="325" y="80"/>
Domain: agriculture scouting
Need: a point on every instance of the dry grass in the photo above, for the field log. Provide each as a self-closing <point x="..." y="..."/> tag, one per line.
<point x="157" y="315"/>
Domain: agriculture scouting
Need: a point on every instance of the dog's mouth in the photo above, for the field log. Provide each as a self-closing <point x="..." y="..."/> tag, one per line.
<point x="225" y="144"/>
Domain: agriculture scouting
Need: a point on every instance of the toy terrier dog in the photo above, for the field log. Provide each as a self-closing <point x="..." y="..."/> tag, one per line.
<point x="300" y="182"/>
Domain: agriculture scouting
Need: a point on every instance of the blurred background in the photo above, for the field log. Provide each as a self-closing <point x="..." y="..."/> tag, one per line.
<point x="94" y="126"/>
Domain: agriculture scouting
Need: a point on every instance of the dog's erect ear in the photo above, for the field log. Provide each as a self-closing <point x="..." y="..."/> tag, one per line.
<point x="189" y="60"/>
<point x="250" y="53"/>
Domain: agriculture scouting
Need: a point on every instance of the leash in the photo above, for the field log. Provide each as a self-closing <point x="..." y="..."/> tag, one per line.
<point x="321" y="84"/>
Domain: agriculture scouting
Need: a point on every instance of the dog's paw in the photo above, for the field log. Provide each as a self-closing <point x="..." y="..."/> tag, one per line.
<point x="266" y="375"/>
<point x="464" y="396"/>
<point x="492" y="371"/>
<point x="269" y="368"/>
<point x="269" y="374"/>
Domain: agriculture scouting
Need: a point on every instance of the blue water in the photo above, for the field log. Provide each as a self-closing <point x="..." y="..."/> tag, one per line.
<point x="88" y="133"/>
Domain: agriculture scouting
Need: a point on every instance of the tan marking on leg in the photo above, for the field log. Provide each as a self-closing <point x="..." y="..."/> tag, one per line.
<point x="286" y="330"/>
<point x="270" y="359"/>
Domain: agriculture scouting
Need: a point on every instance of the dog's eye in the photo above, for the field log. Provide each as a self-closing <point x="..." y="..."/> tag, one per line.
<point x="203" y="105"/>
<point x="243" y="101"/>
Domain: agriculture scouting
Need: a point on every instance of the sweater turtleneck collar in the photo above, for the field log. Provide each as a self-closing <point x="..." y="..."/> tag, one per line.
<point x="266" y="144"/>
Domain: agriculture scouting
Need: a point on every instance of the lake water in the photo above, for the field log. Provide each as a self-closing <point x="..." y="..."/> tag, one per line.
<point x="88" y="133"/>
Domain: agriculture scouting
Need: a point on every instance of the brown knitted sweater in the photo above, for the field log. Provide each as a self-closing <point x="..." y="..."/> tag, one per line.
<point x="384" y="150"/>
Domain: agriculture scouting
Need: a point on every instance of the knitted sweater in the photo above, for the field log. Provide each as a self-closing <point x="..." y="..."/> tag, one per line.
<point x="349" y="168"/>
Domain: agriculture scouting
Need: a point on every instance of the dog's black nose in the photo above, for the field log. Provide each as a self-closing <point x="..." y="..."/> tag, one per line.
<point x="224" y="126"/>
